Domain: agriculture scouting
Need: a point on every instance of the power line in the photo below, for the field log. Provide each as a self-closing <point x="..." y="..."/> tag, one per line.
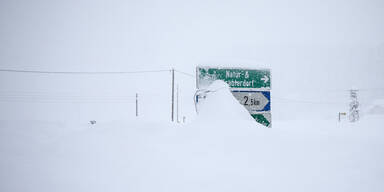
<point x="91" y="72"/>
<point x="65" y="101"/>
<point x="81" y="72"/>
<point x="187" y="74"/>
<point x="371" y="89"/>
<point x="305" y="101"/>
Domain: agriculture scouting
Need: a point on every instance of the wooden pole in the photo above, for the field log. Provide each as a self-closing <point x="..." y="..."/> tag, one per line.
<point x="173" y="95"/>
<point x="177" y="104"/>
<point x="137" y="105"/>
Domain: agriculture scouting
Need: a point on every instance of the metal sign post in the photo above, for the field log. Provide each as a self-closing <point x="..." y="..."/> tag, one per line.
<point x="251" y="87"/>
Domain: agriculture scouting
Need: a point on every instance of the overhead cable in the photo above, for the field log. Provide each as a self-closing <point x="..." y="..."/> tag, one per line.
<point x="80" y="72"/>
<point x="187" y="74"/>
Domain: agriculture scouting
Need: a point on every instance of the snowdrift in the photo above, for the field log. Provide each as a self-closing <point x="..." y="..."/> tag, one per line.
<point x="223" y="149"/>
<point x="377" y="108"/>
<point x="220" y="105"/>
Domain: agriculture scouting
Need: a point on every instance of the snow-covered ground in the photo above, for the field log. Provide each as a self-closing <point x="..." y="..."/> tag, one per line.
<point x="222" y="149"/>
<point x="56" y="59"/>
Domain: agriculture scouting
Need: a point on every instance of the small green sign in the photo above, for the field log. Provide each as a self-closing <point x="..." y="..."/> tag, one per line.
<point x="235" y="77"/>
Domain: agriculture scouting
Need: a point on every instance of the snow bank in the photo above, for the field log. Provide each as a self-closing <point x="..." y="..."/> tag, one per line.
<point x="220" y="105"/>
<point x="222" y="150"/>
<point x="377" y="108"/>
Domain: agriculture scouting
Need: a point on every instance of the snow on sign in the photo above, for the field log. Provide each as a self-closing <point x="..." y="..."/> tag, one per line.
<point x="251" y="87"/>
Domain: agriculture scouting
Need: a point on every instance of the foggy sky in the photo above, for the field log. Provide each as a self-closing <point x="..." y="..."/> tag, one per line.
<point x="125" y="35"/>
<point x="309" y="45"/>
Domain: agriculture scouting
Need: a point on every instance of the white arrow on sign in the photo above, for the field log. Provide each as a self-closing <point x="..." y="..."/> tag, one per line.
<point x="265" y="79"/>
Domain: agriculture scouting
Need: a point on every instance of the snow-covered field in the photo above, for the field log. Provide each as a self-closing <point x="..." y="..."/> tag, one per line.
<point x="222" y="149"/>
<point x="64" y="63"/>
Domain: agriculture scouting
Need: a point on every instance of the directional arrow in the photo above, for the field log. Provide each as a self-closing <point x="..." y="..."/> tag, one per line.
<point x="253" y="101"/>
<point x="257" y="103"/>
<point x="265" y="79"/>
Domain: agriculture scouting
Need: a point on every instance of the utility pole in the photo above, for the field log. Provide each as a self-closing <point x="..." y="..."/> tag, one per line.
<point x="177" y="104"/>
<point x="353" y="106"/>
<point x="173" y="95"/>
<point x="137" y="105"/>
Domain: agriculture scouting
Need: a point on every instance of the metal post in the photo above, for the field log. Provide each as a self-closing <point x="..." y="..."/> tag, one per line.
<point x="173" y="95"/>
<point x="137" y="105"/>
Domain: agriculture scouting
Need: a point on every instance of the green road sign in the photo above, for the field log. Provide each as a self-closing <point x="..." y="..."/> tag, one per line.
<point x="251" y="87"/>
<point x="235" y="77"/>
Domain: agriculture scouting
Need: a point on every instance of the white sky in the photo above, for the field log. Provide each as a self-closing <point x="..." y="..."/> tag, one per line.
<point x="309" y="45"/>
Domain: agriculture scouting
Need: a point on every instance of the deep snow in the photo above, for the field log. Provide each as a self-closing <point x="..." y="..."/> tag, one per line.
<point x="223" y="149"/>
<point x="317" y="50"/>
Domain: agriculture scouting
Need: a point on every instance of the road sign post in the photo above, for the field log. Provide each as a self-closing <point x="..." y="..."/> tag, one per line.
<point x="251" y="87"/>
